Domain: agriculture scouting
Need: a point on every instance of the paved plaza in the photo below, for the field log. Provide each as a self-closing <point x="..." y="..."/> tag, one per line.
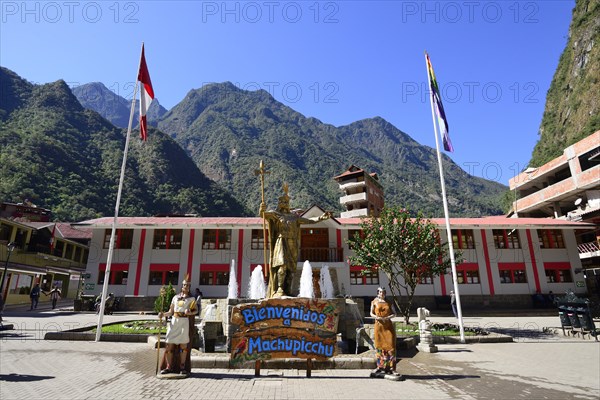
<point x="539" y="364"/>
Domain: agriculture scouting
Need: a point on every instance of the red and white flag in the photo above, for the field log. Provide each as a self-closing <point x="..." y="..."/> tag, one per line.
<point x="146" y="95"/>
<point x="52" y="239"/>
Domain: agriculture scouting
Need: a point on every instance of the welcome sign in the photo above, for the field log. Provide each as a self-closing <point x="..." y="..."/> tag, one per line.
<point x="284" y="328"/>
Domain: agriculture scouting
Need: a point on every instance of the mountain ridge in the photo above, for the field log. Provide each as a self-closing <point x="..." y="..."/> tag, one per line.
<point x="68" y="159"/>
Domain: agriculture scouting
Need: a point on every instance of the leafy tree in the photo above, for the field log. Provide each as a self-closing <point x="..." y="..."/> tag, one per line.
<point x="406" y="249"/>
<point x="163" y="301"/>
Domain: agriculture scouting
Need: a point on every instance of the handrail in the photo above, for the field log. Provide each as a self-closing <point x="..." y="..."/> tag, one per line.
<point x="589" y="247"/>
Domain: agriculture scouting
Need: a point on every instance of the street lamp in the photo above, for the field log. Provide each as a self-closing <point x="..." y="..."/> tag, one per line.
<point x="9" y="247"/>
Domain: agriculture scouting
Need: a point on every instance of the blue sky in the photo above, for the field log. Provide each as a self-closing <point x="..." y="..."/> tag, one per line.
<point x="338" y="61"/>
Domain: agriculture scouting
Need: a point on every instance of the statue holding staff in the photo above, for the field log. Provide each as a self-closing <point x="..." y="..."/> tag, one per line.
<point x="284" y="235"/>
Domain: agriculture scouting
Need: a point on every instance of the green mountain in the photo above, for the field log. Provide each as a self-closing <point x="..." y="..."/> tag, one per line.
<point x="68" y="159"/>
<point x="227" y="131"/>
<point x="573" y="101"/>
<point x="95" y="96"/>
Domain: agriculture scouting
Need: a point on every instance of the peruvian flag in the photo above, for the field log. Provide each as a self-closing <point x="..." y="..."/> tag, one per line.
<point x="52" y="239"/>
<point x="146" y="95"/>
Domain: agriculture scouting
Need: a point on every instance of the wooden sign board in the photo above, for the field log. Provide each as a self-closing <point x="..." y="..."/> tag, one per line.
<point x="300" y="313"/>
<point x="284" y="328"/>
<point x="280" y="343"/>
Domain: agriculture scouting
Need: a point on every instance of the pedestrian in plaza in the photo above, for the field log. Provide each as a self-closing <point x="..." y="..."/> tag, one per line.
<point x="34" y="295"/>
<point x="198" y="295"/>
<point x="54" y="295"/>
<point x="176" y="358"/>
<point x="453" y="303"/>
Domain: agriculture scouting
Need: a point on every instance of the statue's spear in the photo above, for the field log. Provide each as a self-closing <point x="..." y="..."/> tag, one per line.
<point x="162" y="309"/>
<point x="263" y="208"/>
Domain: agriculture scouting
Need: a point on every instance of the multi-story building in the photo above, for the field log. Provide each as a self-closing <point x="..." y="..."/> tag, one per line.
<point x="363" y="194"/>
<point x="47" y="253"/>
<point x="506" y="260"/>
<point x="567" y="188"/>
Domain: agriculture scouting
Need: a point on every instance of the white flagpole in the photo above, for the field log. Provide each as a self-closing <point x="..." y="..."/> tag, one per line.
<point x="111" y="246"/>
<point x="445" y="201"/>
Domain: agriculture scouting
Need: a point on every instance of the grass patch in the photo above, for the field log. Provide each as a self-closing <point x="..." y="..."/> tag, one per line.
<point x="142" y="327"/>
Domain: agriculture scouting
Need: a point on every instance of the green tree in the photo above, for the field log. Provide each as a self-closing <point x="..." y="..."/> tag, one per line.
<point x="405" y="248"/>
<point x="163" y="301"/>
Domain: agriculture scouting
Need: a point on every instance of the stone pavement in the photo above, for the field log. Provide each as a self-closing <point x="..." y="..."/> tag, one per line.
<point x="539" y="364"/>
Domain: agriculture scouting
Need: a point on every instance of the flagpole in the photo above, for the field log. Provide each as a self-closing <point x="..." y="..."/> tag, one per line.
<point x="445" y="201"/>
<point x="111" y="246"/>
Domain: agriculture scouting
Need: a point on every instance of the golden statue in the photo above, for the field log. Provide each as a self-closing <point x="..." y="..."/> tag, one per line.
<point x="284" y="236"/>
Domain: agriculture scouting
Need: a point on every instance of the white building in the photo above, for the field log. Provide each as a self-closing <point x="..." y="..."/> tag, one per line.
<point x="506" y="259"/>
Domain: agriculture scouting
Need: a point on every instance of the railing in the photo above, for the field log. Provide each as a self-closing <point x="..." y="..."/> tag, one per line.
<point x="359" y="212"/>
<point x="328" y="254"/>
<point x="353" y="198"/>
<point x="590" y="247"/>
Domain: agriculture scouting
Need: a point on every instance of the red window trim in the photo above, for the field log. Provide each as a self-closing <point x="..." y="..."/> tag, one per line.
<point x="557" y="265"/>
<point x="214" y="268"/>
<point x="164" y="267"/>
<point x="217" y="238"/>
<point x="462" y="270"/>
<point x="468" y="267"/>
<point x="115" y="267"/>
<point x="359" y="268"/>
<point x="511" y="266"/>
<point x="459" y="234"/>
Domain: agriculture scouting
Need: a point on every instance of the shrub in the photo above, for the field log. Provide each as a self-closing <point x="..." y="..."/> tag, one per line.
<point x="163" y="301"/>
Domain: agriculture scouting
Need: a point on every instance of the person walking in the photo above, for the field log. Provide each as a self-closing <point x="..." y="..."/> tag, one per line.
<point x="198" y="295"/>
<point x="54" y="295"/>
<point x="453" y="303"/>
<point x="34" y="295"/>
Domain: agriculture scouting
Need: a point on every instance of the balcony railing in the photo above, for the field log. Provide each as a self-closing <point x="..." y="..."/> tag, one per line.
<point x="353" y="198"/>
<point x="355" y="213"/>
<point x="590" y="247"/>
<point x="322" y="254"/>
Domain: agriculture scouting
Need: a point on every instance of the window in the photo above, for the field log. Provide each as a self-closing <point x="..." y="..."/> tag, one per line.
<point x="558" y="272"/>
<point x="551" y="239"/>
<point x="219" y="239"/>
<point x="123" y="238"/>
<point x="59" y="247"/>
<point x="472" y="276"/>
<point x="358" y="277"/>
<point x="214" y="274"/>
<point x="468" y="273"/>
<point x="5" y="232"/>
<point x="167" y="239"/>
<point x="207" y="277"/>
<point x="69" y="252"/>
<point x="506" y="239"/>
<point x="257" y="240"/>
<point x="163" y="274"/>
<point x="77" y="254"/>
<point x="512" y="273"/>
<point x="19" y="283"/>
<point x="463" y="239"/>
<point x="118" y="274"/>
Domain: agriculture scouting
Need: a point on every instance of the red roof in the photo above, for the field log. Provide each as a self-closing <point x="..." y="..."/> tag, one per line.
<point x="465" y="223"/>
